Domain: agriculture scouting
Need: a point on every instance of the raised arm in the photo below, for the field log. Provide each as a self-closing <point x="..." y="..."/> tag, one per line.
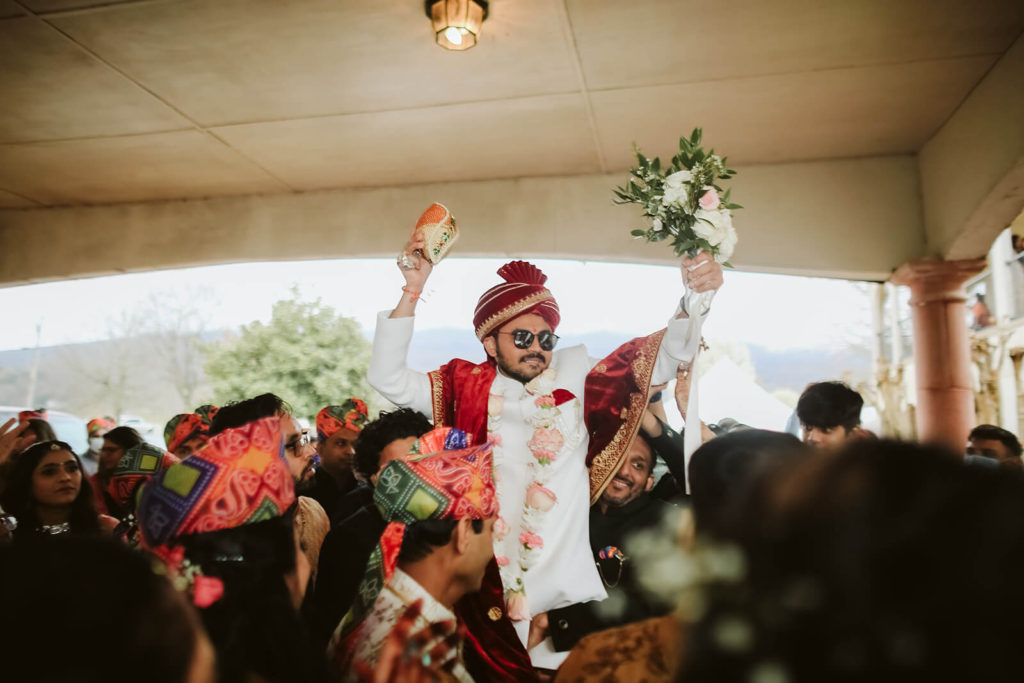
<point x="415" y="269"/>
<point x="700" y="274"/>
<point x="388" y="372"/>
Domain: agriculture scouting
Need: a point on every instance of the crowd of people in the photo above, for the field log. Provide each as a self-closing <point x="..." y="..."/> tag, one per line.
<point x="529" y="517"/>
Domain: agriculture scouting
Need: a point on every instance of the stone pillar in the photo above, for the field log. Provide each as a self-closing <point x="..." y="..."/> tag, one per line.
<point x="945" y="400"/>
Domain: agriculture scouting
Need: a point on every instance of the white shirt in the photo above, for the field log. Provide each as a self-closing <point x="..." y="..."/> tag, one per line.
<point x="564" y="572"/>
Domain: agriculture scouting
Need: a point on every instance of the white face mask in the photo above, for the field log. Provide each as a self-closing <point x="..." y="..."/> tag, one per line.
<point x="96" y="443"/>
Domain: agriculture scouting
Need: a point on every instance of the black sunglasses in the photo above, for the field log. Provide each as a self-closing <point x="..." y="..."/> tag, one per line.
<point x="523" y="339"/>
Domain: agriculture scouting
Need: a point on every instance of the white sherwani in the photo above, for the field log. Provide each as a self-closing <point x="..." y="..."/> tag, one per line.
<point x="564" y="572"/>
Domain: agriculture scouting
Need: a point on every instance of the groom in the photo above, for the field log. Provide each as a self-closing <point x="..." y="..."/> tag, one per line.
<point x="561" y="422"/>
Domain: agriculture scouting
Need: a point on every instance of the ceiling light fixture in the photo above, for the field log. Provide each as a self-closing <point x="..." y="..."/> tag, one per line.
<point x="456" y="23"/>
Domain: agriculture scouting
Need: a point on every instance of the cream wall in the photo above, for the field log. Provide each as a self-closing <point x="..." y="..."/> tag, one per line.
<point x="972" y="170"/>
<point x="851" y="218"/>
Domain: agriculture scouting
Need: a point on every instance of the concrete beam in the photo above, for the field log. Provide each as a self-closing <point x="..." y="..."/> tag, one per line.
<point x="847" y="218"/>
<point x="972" y="170"/>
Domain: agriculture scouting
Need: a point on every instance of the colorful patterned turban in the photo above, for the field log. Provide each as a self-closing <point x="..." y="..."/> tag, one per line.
<point x="98" y="424"/>
<point x="137" y="466"/>
<point x="239" y="478"/>
<point x="444" y="478"/>
<point x="522" y="292"/>
<point x="352" y="414"/>
<point x="206" y="413"/>
<point x="182" y="428"/>
<point x="26" y="415"/>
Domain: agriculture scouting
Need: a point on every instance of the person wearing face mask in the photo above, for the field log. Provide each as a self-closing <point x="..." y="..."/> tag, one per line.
<point x="96" y="429"/>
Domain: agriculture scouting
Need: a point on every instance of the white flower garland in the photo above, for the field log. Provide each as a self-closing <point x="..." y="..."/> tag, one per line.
<point x="547" y="444"/>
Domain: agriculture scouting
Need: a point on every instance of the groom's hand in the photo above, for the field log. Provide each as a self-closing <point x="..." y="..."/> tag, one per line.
<point x="702" y="273"/>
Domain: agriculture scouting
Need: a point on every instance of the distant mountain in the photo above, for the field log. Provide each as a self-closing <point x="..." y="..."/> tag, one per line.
<point x="66" y="379"/>
<point x="787" y="369"/>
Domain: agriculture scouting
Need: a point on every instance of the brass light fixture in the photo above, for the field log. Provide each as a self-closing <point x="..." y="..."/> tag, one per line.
<point x="456" y="23"/>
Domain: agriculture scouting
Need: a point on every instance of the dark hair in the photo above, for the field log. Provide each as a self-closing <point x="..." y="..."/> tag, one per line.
<point x="254" y="626"/>
<point x="83" y="591"/>
<point x="42" y="429"/>
<point x="652" y="460"/>
<point x="124" y="437"/>
<point x="388" y="427"/>
<point x="721" y="470"/>
<point x="18" y="501"/>
<point x="422" y="538"/>
<point x="999" y="434"/>
<point x="251" y="409"/>
<point x="829" y="404"/>
<point x="857" y="564"/>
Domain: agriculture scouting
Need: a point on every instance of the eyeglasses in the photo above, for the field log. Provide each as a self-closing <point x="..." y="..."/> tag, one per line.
<point x="523" y="339"/>
<point x="300" y="441"/>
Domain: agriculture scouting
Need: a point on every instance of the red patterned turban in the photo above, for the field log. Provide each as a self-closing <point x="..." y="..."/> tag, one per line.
<point x="443" y="478"/>
<point x="26" y="415"/>
<point x="351" y="415"/>
<point x="522" y="292"/>
<point x="239" y="478"/>
<point x="206" y="412"/>
<point x="182" y="428"/>
<point x="98" y="424"/>
<point x="137" y="466"/>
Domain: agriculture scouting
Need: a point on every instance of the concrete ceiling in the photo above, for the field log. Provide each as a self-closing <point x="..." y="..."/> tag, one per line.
<point x="108" y="102"/>
<point x="868" y="133"/>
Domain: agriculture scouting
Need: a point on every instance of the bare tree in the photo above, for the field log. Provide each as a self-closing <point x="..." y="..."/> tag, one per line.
<point x="174" y="325"/>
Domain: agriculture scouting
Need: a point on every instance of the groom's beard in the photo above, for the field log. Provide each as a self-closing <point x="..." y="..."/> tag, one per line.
<point x="521" y="370"/>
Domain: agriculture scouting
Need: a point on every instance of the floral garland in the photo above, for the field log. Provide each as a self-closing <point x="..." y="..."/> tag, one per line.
<point x="546" y="444"/>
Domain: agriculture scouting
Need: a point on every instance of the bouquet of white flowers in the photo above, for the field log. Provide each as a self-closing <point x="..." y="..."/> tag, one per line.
<point x="683" y="201"/>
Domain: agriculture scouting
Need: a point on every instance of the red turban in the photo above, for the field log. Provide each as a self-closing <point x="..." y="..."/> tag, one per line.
<point x="522" y="292"/>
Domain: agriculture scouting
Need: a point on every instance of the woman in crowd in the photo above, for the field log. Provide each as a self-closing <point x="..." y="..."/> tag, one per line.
<point x="49" y="496"/>
<point x="230" y="541"/>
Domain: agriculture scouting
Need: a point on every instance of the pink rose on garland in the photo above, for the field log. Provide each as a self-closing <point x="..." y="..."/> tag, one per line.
<point x="540" y="498"/>
<point x="500" y="528"/>
<point x="545" y="402"/>
<point x="531" y="541"/>
<point x="518" y="607"/>
<point x="501" y="560"/>
<point x="545" y="444"/>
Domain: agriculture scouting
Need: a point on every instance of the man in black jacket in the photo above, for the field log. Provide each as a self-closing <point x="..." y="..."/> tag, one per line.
<point x="625" y="509"/>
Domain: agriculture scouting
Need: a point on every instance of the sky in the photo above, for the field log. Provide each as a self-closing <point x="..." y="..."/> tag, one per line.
<point x="773" y="311"/>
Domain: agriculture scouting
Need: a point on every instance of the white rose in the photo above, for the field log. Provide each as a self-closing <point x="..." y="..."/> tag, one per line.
<point x="712" y="225"/>
<point x="678" y="178"/>
<point x="674" y="195"/>
<point x="657" y="225"/>
<point x="727" y="246"/>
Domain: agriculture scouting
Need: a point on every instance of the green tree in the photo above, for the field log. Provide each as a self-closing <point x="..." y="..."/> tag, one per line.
<point x="307" y="354"/>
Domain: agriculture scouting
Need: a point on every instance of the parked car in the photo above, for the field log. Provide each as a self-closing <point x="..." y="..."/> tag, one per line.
<point x="69" y="428"/>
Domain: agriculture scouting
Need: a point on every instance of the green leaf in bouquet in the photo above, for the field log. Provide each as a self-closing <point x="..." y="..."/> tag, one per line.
<point x="695" y="136"/>
<point x="638" y="233"/>
<point x="727" y="264"/>
<point x="732" y="207"/>
<point x="656" y="165"/>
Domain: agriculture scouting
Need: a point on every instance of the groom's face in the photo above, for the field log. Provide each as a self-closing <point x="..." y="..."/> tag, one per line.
<point x="519" y="364"/>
